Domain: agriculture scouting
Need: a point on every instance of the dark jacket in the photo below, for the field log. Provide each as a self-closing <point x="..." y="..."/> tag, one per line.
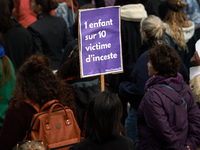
<point x="131" y="37"/>
<point x="163" y="121"/>
<point x="121" y="143"/>
<point x="131" y="15"/>
<point x="50" y="36"/>
<point x="85" y="89"/>
<point x="17" y="121"/>
<point x="134" y="91"/>
<point x="18" y="44"/>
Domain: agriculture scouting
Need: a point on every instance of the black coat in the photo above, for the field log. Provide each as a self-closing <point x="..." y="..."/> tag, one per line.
<point x="121" y="143"/>
<point x="50" y="36"/>
<point x="18" y="44"/>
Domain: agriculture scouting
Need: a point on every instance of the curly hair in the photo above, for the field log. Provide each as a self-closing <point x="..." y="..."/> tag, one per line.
<point x="35" y="81"/>
<point x="165" y="60"/>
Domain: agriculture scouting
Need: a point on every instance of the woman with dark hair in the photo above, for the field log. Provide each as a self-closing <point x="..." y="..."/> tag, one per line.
<point x="168" y="117"/>
<point x="49" y="33"/>
<point x="7" y="83"/>
<point x="103" y="125"/>
<point x="37" y="83"/>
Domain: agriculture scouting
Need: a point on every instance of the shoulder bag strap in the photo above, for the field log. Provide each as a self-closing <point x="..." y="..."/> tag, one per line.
<point x="184" y="103"/>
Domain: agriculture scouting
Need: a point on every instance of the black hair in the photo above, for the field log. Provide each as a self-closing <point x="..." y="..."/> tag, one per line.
<point x="47" y="5"/>
<point x="103" y="117"/>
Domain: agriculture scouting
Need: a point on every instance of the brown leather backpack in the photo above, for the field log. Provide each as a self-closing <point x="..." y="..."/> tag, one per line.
<point x="55" y="125"/>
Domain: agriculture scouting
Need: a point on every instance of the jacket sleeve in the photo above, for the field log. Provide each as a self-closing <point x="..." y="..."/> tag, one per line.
<point x="157" y="121"/>
<point x="194" y="123"/>
<point x="139" y="76"/>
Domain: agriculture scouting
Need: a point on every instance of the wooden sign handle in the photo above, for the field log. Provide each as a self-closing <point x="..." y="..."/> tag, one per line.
<point x="102" y="83"/>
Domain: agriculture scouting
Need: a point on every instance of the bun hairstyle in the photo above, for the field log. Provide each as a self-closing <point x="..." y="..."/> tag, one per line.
<point x="176" y="5"/>
<point x="47" y="5"/>
<point x="154" y="30"/>
<point x="53" y="4"/>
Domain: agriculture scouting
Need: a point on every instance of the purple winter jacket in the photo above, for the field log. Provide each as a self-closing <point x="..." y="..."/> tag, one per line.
<point x="163" y="121"/>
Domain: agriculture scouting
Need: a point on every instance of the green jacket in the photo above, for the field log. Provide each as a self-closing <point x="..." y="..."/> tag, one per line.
<point x="6" y="91"/>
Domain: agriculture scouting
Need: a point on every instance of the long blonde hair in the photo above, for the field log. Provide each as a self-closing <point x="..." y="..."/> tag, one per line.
<point x="176" y="20"/>
<point x="154" y="30"/>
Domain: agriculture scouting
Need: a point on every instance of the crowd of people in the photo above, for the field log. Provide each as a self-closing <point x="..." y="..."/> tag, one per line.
<point x="153" y="105"/>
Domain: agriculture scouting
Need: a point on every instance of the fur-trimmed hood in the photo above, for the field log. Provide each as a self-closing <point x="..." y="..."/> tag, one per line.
<point x="133" y="12"/>
<point x="188" y="32"/>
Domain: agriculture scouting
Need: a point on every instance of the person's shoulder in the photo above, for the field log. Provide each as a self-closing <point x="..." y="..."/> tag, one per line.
<point x="82" y="145"/>
<point x="125" y="142"/>
<point x="33" y="25"/>
<point x="21" y="108"/>
<point x="58" y="18"/>
<point x="119" y="143"/>
<point x="17" y="29"/>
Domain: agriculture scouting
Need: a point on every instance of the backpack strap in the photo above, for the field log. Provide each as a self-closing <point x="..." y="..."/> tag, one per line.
<point x="48" y="104"/>
<point x="35" y="106"/>
<point x="184" y="103"/>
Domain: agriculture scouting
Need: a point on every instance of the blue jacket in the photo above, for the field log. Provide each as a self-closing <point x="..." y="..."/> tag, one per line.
<point x="163" y="121"/>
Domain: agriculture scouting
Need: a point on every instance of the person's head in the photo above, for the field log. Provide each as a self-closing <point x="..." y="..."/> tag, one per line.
<point x="43" y="6"/>
<point x="70" y="69"/>
<point x="152" y="30"/>
<point x="5" y="18"/>
<point x="171" y="12"/>
<point x="36" y="81"/>
<point x="103" y="117"/>
<point x="164" y="61"/>
<point x="30" y="145"/>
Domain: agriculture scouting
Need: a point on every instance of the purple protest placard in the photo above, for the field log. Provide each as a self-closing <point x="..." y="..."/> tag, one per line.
<point x="100" y="41"/>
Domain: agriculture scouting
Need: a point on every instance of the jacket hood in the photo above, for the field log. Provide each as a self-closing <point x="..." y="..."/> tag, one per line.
<point x="177" y="83"/>
<point x="188" y="32"/>
<point x="133" y="12"/>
